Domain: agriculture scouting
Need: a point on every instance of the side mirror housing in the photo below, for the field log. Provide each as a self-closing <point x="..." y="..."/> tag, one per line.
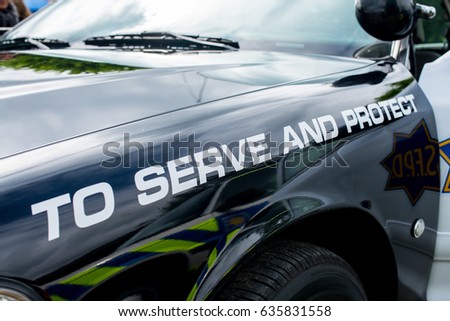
<point x="390" y="20"/>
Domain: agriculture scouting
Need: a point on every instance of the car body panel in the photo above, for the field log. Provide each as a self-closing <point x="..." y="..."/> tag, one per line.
<point x="209" y="214"/>
<point x="95" y="100"/>
<point x="155" y="164"/>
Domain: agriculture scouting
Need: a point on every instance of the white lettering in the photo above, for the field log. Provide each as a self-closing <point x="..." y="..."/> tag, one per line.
<point x="377" y="119"/>
<point x="384" y="105"/>
<point x="177" y="175"/>
<point x="363" y="117"/>
<point x="404" y="106"/>
<point x="315" y="133"/>
<point x="395" y="108"/>
<point x="293" y="143"/>
<point x="411" y="98"/>
<point x="51" y="207"/>
<point x="155" y="188"/>
<point x="238" y="163"/>
<point x="203" y="169"/>
<point x="258" y="149"/>
<point x="83" y="220"/>
<point x="376" y="113"/>
<point x="350" y="119"/>
<point x="328" y="134"/>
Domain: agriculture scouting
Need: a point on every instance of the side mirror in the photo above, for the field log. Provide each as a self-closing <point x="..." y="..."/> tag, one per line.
<point x="390" y="20"/>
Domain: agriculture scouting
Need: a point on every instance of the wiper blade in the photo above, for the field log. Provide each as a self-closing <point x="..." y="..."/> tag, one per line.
<point x="25" y="43"/>
<point x="162" y="42"/>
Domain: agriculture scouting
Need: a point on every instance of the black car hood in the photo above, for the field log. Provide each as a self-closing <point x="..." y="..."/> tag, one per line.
<point x="49" y="96"/>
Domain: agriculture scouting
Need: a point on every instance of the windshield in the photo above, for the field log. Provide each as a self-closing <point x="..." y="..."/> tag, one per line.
<point x="313" y="26"/>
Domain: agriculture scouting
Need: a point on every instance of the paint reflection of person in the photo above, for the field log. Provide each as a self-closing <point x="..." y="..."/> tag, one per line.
<point x="8" y="14"/>
<point x="22" y="9"/>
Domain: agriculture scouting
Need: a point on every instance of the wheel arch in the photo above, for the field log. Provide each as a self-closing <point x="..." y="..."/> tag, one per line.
<point x="351" y="233"/>
<point x="360" y="240"/>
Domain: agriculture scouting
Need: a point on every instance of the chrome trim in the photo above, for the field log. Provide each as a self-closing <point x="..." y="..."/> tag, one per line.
<point x="401" y="51"/>
<point x="418" y="228"/>
<point x="425" y="12"/>
<point x="432" y="46"/>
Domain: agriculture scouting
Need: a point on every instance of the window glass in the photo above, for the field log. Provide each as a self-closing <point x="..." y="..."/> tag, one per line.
<point x="312" y="26"/>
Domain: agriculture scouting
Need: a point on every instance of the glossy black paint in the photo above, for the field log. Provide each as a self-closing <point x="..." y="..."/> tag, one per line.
<point x="386" y="20"/>
<point x="97" y="99"/>
<point x="53" y="137"/>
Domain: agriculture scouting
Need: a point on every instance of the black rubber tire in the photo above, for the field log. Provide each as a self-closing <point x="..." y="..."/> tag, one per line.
<point x="290" y="270"/>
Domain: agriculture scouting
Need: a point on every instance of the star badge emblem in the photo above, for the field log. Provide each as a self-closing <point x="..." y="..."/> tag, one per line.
<point x="413" y="164"/>
<point x="445" y="154"/>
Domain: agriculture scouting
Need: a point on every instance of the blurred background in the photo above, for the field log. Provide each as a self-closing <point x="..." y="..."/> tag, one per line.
<point x="35" y="5"/>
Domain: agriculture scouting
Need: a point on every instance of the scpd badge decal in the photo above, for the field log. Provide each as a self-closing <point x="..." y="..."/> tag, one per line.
<point x="445" y="153"/>
<point x="413" y="163"/>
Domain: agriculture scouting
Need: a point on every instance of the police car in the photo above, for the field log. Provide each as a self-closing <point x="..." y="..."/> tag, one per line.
<point x="226" y="150"/>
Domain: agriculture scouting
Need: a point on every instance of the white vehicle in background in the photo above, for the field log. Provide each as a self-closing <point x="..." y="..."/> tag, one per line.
<point x="435" y="82"/>
<point x="426" y="54"/>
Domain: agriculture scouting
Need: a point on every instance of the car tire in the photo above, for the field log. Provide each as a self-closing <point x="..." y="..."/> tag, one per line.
<point x="290" y="270"/>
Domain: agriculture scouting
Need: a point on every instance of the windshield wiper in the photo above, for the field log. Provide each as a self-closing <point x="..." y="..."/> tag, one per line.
<point x="25" y="43"/>
<point x="162" y="42"/>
